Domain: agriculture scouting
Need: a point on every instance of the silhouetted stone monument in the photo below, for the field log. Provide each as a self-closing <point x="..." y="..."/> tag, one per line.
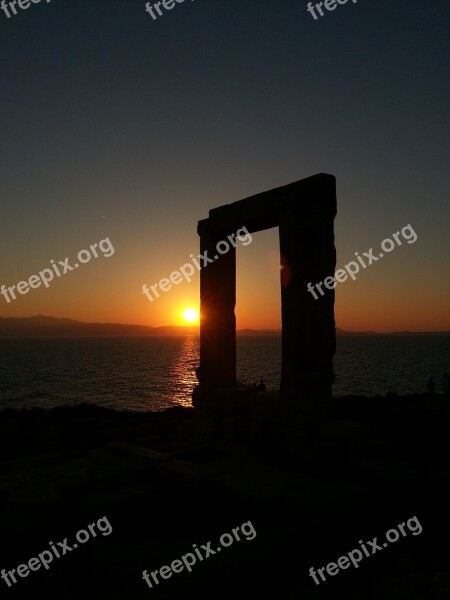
<point x="304" y="212"/>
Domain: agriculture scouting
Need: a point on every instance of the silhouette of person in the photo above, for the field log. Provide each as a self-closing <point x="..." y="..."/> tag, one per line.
<point x="261" y="386"/>
<point x="430" y="386"/>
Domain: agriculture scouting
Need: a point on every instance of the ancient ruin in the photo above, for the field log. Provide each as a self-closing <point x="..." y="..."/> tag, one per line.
<point x="304" y="212"/>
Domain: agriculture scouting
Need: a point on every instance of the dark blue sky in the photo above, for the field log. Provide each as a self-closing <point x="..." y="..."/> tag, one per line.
<point x="105" y="112"/>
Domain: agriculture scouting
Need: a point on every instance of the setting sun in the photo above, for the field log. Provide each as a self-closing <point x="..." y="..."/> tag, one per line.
<point x="190" y="315"/>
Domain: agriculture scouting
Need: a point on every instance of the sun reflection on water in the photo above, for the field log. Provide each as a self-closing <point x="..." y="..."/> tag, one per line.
<point x="182" y="371"/>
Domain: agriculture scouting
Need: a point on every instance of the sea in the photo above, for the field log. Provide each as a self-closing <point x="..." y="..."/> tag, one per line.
<point x="155" y="373"/>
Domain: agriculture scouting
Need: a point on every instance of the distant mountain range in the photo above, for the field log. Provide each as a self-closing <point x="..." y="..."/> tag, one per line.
<point x="42" y="326"/>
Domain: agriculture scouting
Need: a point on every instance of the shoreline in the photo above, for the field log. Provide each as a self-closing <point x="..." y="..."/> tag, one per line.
<point x="87" y="409"/>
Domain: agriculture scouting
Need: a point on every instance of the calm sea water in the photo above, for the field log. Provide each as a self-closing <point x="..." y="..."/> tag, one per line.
<point x="156" y="373"/>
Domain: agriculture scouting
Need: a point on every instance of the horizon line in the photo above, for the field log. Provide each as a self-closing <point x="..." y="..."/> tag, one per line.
<point x="197" y="326"/>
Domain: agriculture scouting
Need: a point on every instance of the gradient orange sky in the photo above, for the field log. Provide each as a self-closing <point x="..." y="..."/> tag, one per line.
<point x="385" y="297"/>
<point x="114" y="126"/>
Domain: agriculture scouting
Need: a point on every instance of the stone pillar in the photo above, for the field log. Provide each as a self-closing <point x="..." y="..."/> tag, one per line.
<point x="308" y="329"/>
<point x="217" y="319"/>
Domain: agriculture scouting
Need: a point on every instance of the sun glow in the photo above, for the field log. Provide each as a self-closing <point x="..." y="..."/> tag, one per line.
<point x="190" y="315"/>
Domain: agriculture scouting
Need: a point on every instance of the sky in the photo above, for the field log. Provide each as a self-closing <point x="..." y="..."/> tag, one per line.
<point x="115" y="125"/>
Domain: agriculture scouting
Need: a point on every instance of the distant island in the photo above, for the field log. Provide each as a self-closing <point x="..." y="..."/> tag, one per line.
<point x="43" y="326"/>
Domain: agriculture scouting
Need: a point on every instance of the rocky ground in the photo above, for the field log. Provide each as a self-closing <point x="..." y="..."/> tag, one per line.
<point x="163" y="487"/>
